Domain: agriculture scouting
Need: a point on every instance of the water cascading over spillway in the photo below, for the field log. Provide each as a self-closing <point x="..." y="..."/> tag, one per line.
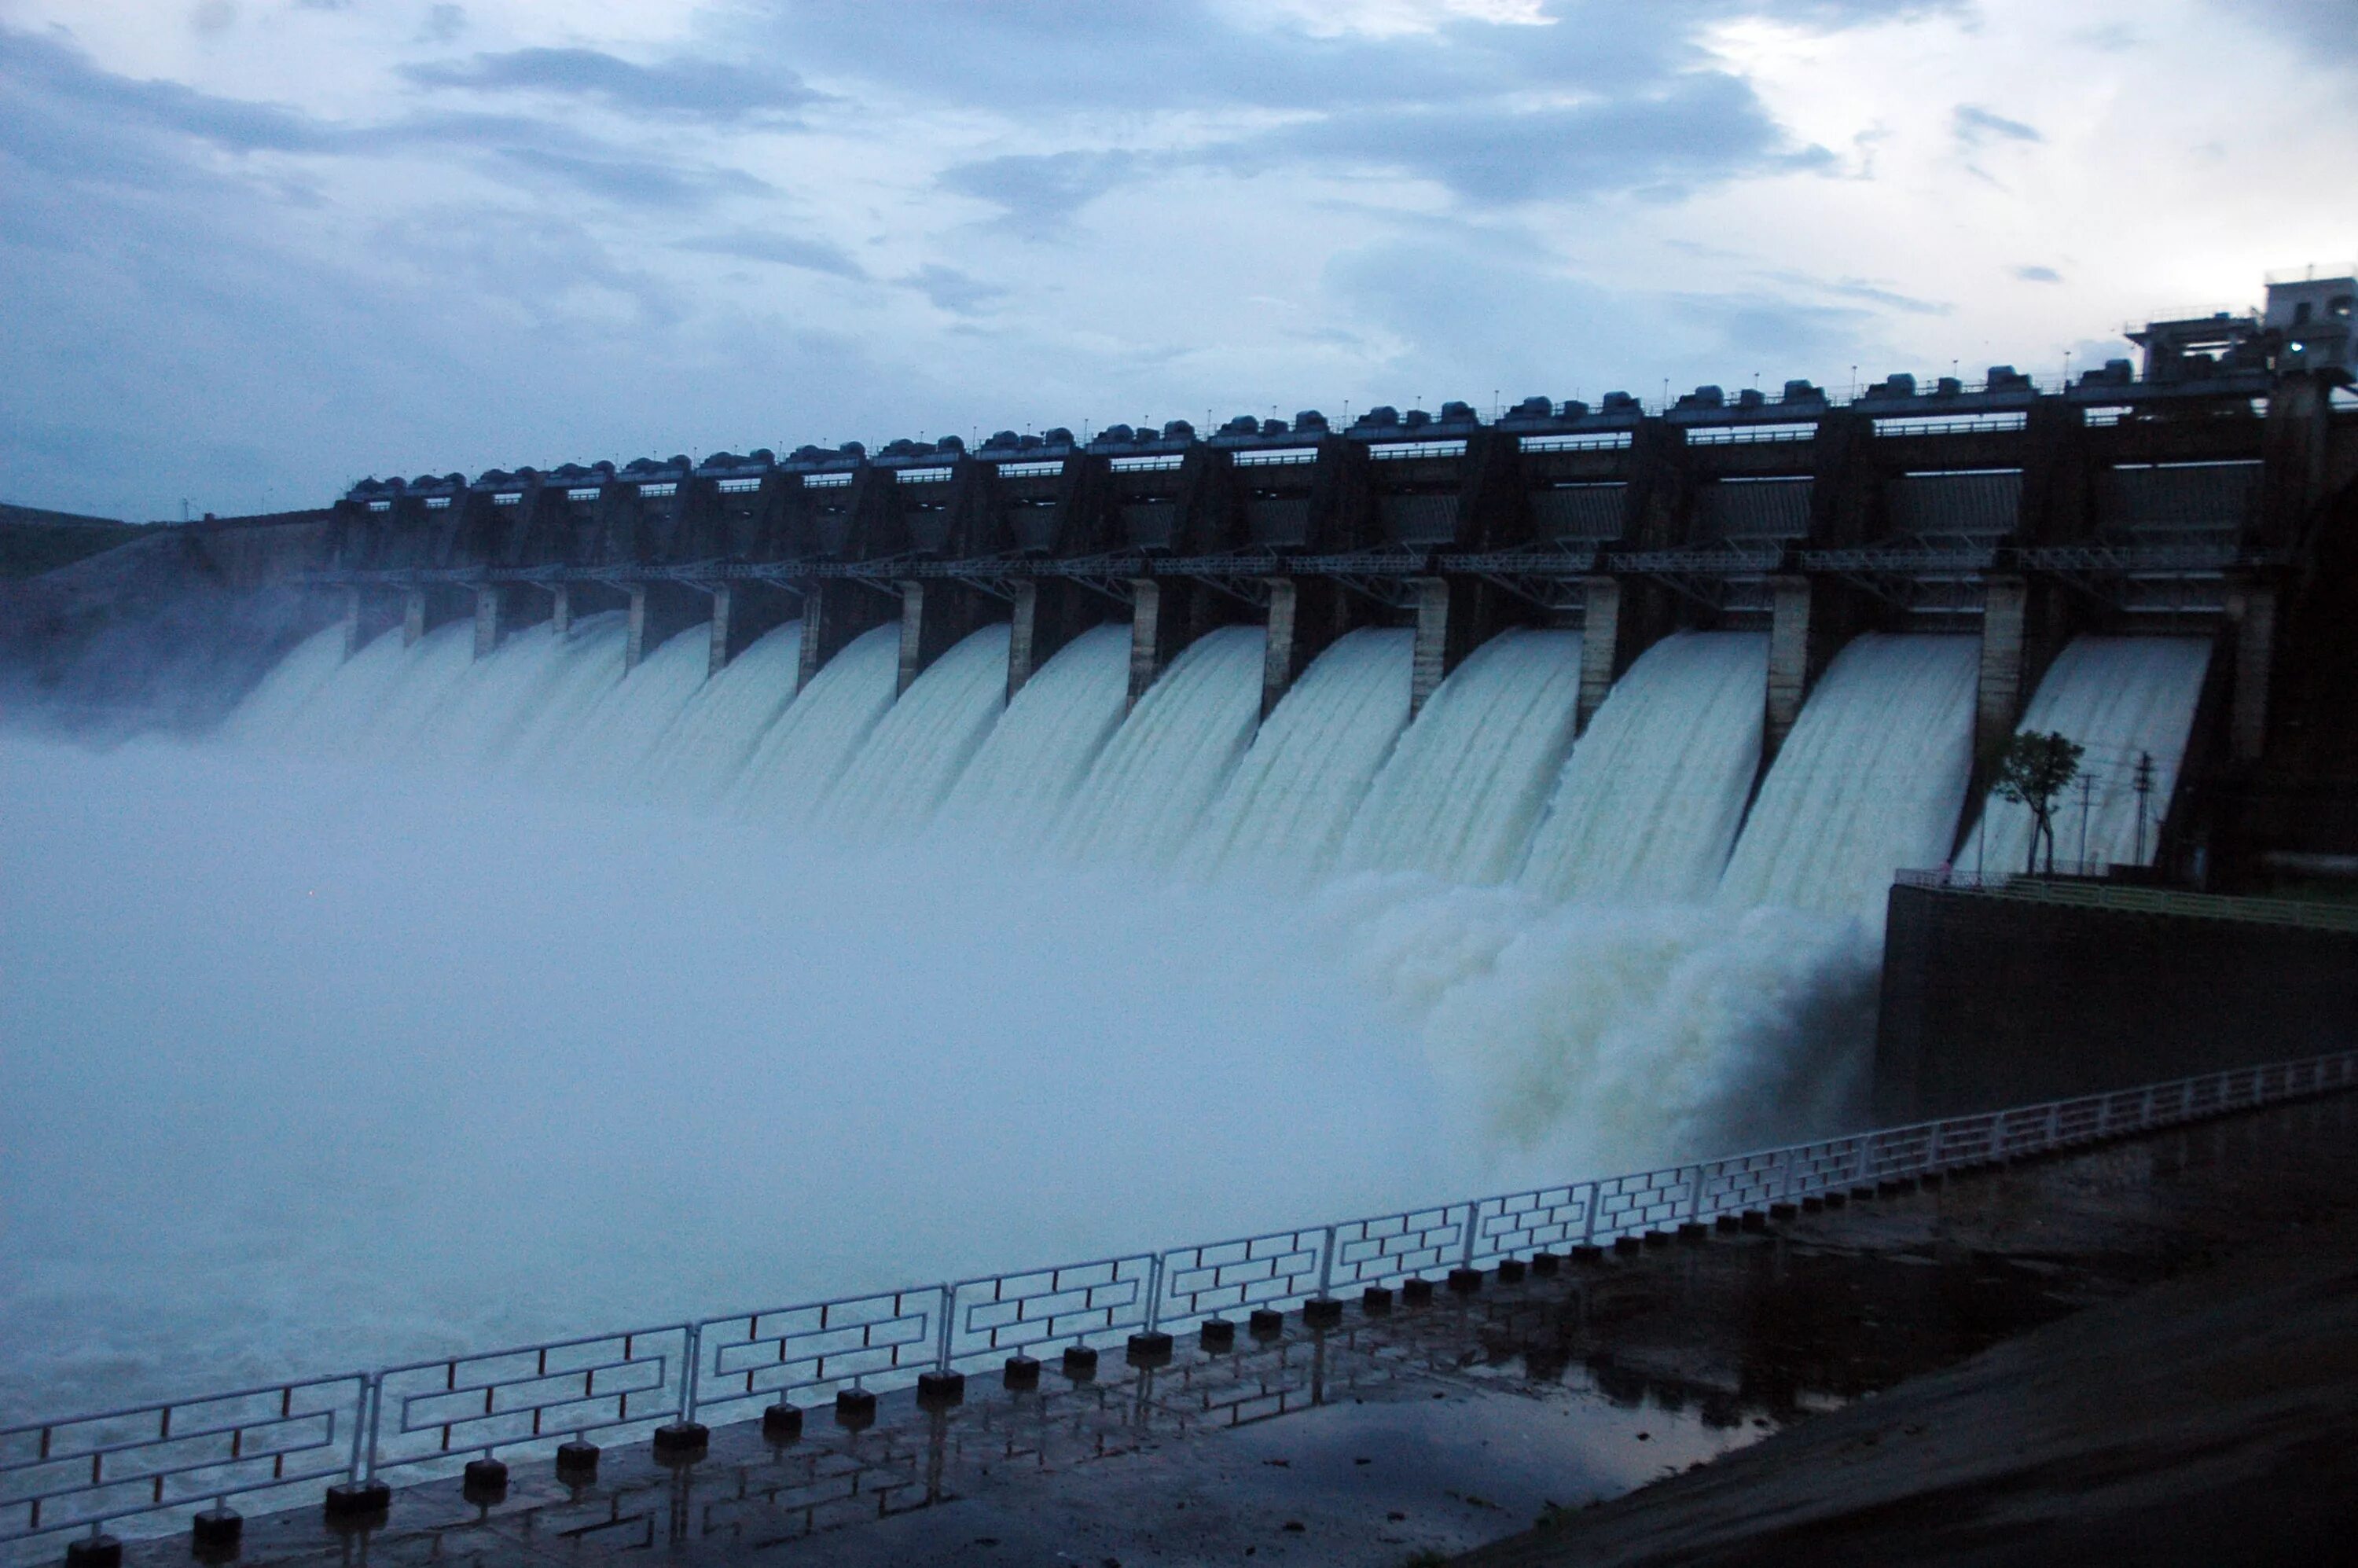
<point x="2120" y="697"/>
<point x="1459" y="795"/>
<point x="1650" y="802"/>
<point x="700" y="757"/>
<point x="1282" y="817"/>
<point x="1037" y="754"/>
<point x="909" y="760"/>
<point x="1161" y="772"/>
<point x="607" y="752"/>
<point x="820" y="732"/>
<point x="1869" y="781"/>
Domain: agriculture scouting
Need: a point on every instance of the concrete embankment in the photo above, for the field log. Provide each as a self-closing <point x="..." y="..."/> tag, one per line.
<point x="2206" y="1418"/>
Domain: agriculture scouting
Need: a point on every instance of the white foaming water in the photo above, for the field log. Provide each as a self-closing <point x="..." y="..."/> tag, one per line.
<point x="1463" y="787"/>
<point x="909" y="760"/>
<point x="1589" y="1037"/>
<point x="1870" y="781"/>
<point x="1155" y="779"/>
<point x="1041" y="749"/>
<point x="1282" y="817"/>
<point x="607" y="753"/>
<point x="1648" y="807"/>
<point x="815" y="740"/>
<point x="708" y="748"/>
<point x="2118" y="697"/>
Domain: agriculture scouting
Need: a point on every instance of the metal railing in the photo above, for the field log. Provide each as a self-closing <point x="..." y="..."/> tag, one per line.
<point x="150" y="1467"/>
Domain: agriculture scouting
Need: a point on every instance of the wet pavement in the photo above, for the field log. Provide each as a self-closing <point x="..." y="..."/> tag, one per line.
<point x="1426" y="1429"/>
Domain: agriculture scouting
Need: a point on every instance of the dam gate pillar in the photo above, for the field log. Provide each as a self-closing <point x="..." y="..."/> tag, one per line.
<point x="1305" y="616"/>
<point x="500" y="609"/>
<point x="1455" y="615"/>
<point x="1166" y="614"/>
<point x="835" y="612"/>
<point x="425" y="607"/>
<point x="367" y="613"/>
<point x="1620" y="619"/>
<point x="2252" y="612"/>
<point x="658" y="611"/>
<point x="744" y="613"/>
<point x="935" y="614"/>
<point x="1049" y="614"/>
<point x="1810" y="619"/>
<point x="2024" y="626"/>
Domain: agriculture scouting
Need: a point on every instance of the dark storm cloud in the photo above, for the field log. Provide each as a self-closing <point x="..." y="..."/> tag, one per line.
<point x="679" y="89"/>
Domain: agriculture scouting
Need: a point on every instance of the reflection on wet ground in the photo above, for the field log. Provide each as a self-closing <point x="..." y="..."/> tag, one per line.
<point x="1413" y="1426"/>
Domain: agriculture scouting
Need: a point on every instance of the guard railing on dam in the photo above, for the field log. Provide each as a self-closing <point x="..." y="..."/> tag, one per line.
<point x="150" y="1468"/>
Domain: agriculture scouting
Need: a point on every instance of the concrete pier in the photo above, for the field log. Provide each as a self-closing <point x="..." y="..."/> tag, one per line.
<point x="1810" y="619"/>
<point x="429" y="605"/>
<point x="367" y="614"/>
<point x="836" y="610"/>
<point x="1165" y="616"/>
<point x="1453" y="616"/>
<point x="2025" y="624"/>
<point x="742" y="614"/>
<point x="1622" y="618"/>
<point x="2251" y="612"/>
<point x="1047" y="613"/>
<point x="501" y="608"/>
<point x="1305" y="616"/>
<point x="658" y="611"/>
<point x="935" y="615"/>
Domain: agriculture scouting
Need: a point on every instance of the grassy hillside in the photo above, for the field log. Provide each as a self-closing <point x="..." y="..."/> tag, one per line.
<point x="33" y="541"/>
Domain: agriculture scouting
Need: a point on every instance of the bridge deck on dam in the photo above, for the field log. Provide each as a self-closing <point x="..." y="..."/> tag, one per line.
<point x="1436" y="1427"/>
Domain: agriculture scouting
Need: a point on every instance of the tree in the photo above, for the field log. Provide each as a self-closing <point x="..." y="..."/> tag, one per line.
<point x="2033" y="770"/>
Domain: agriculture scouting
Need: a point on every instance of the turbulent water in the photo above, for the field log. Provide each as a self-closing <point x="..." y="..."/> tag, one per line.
<point x="439" y="1002"/>
<point x="1461" y="791"/>
<point x="2121" y="698"/>
<point x="1649" y="804"/>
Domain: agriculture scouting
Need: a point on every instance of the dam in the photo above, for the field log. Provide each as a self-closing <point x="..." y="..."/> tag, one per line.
<point x="1549" y="770"/>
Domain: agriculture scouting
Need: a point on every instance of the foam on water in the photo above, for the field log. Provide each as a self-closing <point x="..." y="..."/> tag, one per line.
<point x="912" y="757"/>
<point x="606" y="755"/>
<point x="1870" y="781"/>
<point x="1648" y="805"/>
<point x="1283" y="814"/>
<point x="1040" y="751"/>
<point x="815" y="740"/>
<point x="1462" y="789"/>
<point x="1163" y="769"/>
<point x="2120" y="697"/>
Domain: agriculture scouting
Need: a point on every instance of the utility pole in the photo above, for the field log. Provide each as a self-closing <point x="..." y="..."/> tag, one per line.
<point x="2144" y="786"/>
<point x="2087" y="794"/>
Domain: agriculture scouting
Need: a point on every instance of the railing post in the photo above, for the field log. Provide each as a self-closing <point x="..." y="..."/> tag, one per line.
<point x="1326" y="1263"/>
<point x="1694" y="1195"/>
<point x="1866" y="1160"/>
<point x="1588" y="1216"/>
<point x="375" y="1425"/>
<point x="691" y="1366"/>
<point x="2054" y="1126"/>
<point x="360" y="1424"/>
<point x="1154" y="1271"/>
<point x="947" y="1307"/>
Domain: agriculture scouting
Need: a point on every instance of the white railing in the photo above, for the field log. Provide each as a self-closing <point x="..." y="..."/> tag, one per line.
<point x="149" y="1468"/>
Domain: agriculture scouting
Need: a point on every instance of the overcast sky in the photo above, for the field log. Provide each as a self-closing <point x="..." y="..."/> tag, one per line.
<point x="252" y="250"/>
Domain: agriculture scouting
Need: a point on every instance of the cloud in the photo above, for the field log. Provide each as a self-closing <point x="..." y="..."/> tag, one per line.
<point x="954" y="291"/>
<point x="783" y="250"/>
<point x="2322" y="29"/>
<point x="444" y="24"/>
<point x="2037" y="274"/>
<point x="1039" y="195"/>
<point x="1697" y="130"/>
<point x="1975" y="125"/>
<point x="679" y="89"/>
